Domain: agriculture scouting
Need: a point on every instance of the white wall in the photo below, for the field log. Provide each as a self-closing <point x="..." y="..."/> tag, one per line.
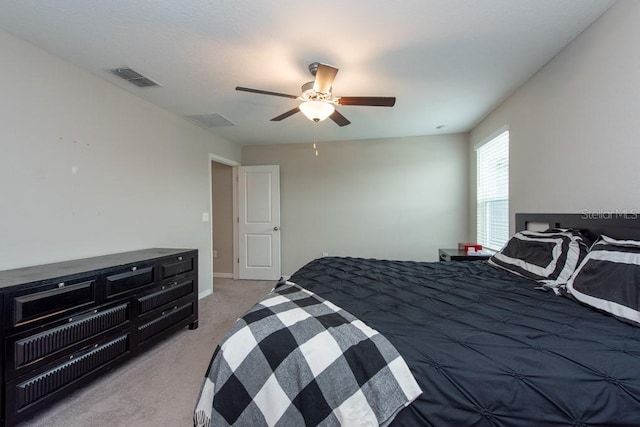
<point x="575" y="132"/>
<point x="387" y="198"/>
<point x="142" y="173"/>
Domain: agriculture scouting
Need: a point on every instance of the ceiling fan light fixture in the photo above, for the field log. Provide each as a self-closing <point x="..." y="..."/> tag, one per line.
<point x="317" y="110"/>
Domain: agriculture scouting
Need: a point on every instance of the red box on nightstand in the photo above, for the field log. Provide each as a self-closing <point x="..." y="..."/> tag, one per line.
<point x="464" y="247"/>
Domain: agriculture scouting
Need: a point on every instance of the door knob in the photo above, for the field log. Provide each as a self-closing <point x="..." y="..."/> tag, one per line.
<point x="276" y="228"/>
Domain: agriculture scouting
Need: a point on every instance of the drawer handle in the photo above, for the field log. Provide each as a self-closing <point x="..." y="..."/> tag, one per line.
<point x="61" y="285"/>
<point x="165" y="312"/>
<point x="179" y="258"/>
<point x="134" y="268"/>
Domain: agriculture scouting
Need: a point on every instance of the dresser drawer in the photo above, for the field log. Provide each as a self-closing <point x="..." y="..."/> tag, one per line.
<point x="129" y="281"/>
<point x="169" y="292"/>
<point x="178" y="265"/>
<point x="29" y="350"/>
<point x="159" y="323"/>
<point x="38" y="386"/>
<point x="48" y="301"/>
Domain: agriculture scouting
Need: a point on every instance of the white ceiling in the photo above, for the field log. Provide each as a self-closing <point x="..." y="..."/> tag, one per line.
<point x="448" y="62"/>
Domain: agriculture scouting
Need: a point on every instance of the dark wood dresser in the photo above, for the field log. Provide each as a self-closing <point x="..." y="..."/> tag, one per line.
<point x="64" y="324"/>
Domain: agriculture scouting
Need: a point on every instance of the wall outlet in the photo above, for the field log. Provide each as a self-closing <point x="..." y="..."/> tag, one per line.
<point x="324" y="254"/>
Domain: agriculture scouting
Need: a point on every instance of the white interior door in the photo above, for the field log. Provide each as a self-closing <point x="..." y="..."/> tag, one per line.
<point x="259" y="222"/>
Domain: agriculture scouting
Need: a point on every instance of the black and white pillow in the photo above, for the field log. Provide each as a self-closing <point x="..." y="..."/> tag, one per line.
<point x="548" y="257"/>
<point x="609" y="278"/>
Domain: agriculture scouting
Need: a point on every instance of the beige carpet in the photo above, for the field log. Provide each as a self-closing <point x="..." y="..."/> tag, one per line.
<point x="160" y="386"/>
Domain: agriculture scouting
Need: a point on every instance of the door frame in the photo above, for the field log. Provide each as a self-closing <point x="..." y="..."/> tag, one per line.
<point x="234" y="185"/>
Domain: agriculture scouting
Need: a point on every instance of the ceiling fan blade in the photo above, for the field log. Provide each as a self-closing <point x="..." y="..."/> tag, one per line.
<point x="325" y="74"/>
<point x="339" y="119"/>
<point x="285" y="115"/>
<point x="265" y="92"/>
<point x="373" y="101"/>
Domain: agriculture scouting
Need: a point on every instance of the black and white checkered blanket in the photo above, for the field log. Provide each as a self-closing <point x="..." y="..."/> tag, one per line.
<point x="296" y="359"/>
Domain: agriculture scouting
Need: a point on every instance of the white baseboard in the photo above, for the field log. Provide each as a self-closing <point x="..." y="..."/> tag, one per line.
<point x="223" y="275"/>
<point x="204" y="294"/>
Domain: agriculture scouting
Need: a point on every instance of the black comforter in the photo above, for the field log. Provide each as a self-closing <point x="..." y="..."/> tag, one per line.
<point x="486" y="347"/>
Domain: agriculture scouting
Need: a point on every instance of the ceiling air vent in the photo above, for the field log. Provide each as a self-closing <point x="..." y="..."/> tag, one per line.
<point x="133" y="77"/>
<point x="213" y="120"/>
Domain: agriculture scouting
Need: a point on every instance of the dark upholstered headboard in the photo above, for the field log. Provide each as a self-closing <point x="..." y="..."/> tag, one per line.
<point x="619" y="225"/>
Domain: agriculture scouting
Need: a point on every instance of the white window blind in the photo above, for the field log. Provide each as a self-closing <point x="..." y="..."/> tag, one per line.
<point x="493" y="192"/>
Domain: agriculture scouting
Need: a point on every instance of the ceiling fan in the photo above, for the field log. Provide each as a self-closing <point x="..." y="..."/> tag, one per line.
<point x="318" y="100"/>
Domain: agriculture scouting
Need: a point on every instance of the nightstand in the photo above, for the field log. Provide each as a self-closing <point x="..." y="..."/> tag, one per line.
<point x="458" y="255"/>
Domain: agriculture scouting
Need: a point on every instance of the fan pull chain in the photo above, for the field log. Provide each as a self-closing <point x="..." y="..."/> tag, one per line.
<point x="315" y="139"/>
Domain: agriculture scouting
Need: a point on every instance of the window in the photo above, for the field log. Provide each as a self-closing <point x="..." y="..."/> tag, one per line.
<point x="493" y="192"/>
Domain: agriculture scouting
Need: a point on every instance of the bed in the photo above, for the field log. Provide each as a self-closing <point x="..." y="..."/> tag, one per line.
<point x="485" y="347"/>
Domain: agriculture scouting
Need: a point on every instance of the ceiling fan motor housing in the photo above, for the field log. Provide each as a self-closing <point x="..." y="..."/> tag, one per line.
<point x="309" y="94"/>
